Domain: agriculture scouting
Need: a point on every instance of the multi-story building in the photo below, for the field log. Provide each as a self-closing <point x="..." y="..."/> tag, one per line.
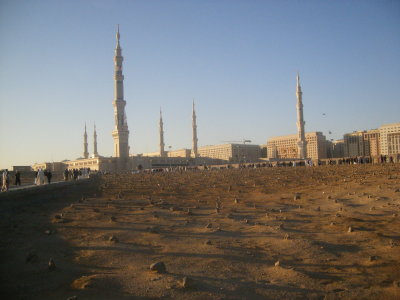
<point x="180" y="153"/>
<point x="285" y="147"/>
<point x="355" y="144"/>
<point x="232" y="152"/>
<point x="371" y="138"/>
<point x="338" y="148"/>
<point x="390" y="139"/>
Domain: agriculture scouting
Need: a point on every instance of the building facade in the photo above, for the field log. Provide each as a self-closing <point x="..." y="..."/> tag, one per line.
<point x="239" y="153"/>
<point x="286" y="147"/>
<point x="372" y="140"/>
<point x="337" y="148"/>
<point x="390" y="139"/>
<point x="355" y="144"/>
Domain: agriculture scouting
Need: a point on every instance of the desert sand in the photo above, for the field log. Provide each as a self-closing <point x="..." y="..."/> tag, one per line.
<point x="328" y="232"/>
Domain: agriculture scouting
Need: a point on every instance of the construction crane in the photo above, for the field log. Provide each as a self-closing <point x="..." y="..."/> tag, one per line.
<point x="244" y="141"/>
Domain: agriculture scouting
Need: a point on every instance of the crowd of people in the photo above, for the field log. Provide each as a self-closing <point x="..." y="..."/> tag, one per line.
<point x="40" y="174"/>
<point x="5" y="179"/>
<point x="75" y="174"/>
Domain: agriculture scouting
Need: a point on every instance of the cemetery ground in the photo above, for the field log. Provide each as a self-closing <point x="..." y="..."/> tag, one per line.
<point x="328" y="232"/>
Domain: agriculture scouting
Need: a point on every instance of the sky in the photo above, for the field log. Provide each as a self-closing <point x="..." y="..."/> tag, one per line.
<point x="237" y="58"/>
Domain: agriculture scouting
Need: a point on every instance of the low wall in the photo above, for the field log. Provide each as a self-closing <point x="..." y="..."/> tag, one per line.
<point x="61" y="186"/>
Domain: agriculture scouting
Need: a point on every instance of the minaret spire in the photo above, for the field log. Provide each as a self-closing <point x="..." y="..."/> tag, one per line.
<point x="85" y="145"/>
<point x="194" y="128"/>
<point x="95" y="154"/>
<point x="120" y="132"/>
<point x="301" y="136"/>
<point x="162" y="145"/>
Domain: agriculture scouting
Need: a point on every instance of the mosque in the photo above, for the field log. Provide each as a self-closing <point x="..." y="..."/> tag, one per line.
<point x="122" y="160"/>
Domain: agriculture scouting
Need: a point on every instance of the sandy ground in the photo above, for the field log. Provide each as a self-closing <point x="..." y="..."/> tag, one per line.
<point x="330" y="232"/>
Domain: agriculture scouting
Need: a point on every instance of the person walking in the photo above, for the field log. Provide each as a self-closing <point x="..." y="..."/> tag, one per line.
<point x="17" y="178"/>
<point x="6" y="181"/>
<point x="49" y="175"/>
<point x="66" y="174"/>
<point x="40" y="177"/>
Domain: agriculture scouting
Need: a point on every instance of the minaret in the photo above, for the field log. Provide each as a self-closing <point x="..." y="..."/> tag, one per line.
<point x="85" y="145"/>
<point x="194" y="128"/>
<point x="120" y="132"/>
<point x="162" y="145"/>
<point x="95" y="154"/>
<point x="301" y="135"/>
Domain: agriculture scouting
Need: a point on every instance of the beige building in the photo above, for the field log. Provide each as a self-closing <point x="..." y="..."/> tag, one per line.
<point x="372" y="138"/>
<point x="53" y="166"/>
<point x="150" y="154"/>
<point x="231" y="152"/>
<point x="285" y="147"/>
<point x="186" y="153"/>
<point x="337" y="148"/>
<point x="390" y="139"/>
<point x="355" y="144"/>
<point x="362" y="143"/>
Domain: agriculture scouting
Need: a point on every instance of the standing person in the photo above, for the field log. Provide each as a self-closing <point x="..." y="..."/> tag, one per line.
<point x="6" y="181"/>
<point x="49" y="175"/>
<point x="40" y="177"/>
<point x="17" y="178"/>
<point x="66" y="175"/>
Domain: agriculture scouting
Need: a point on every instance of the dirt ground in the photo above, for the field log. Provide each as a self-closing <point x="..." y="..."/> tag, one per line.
<point x="329" y="232"/>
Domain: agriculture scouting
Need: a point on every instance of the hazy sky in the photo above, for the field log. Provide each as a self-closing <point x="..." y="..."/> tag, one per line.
<point x="238" y="59"/>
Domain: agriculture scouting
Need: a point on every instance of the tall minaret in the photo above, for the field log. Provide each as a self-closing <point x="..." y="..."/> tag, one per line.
<point x="194" y="128"/>
<point x="85" y="145"/>
<point x="95" y="154"/>
<point x="120" y="132"/>
<point x="162" y="145"/>
<point x="301" y="135"/>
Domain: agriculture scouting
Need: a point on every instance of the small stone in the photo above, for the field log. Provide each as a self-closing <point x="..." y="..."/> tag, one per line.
<point x="318" y="208"/>
<point x="396" y="284"/>
<point x="350" y="229"/>
<point x="113" y="239"/>
<point x="286" y="237"/>
<point x="48" y="232"/>
<point x="372" y="258"/>
<point x="338" y="215"/>
<point x="209" y="225"/>
<point x="72" y="298"/>
<point x="208" y="242"/>
<point x="217" y="210"/>
<point x="372" y="208"/>
<point x="51" y="265"/>
<point x="186" y="283"/>
<point x="32" y="258"/>
<point x="246" y="221"/>
<point x="158" y="267"/>
<point x="297" y="196"/>
<point x="332" y="223"/>
<point x="277" y="263"/>
<point x="329" y="197"/>
<point x="236" y="200"/>
<point x="113" y="219"/>
<point x="397" y="190"/>
<point x="172" y="208"/>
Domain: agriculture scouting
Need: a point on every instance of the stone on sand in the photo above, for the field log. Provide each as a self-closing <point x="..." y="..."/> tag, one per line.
<point x="51" y="265"/>
<point x="158" y="267"/>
